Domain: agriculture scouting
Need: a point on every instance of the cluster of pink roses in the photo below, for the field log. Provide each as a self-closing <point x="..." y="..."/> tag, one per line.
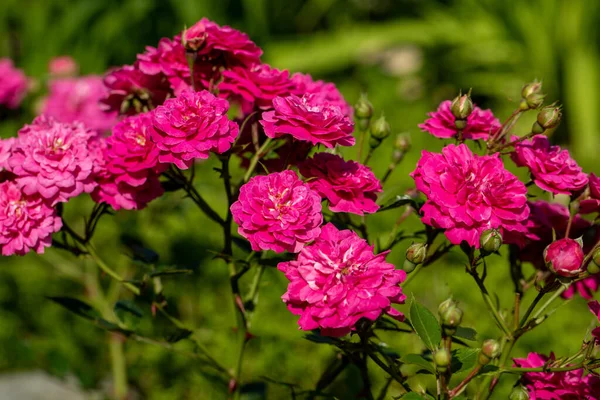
<point x="13" y="84"/>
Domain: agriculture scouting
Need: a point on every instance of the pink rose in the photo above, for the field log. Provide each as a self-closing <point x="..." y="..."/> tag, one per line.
<point x="338" y="280"/>
<point x="13" y="84"/>
<point x="349" y="186"/>
<point x="63" y="66"/>
<point x="591" y="203"/>
<point x="467" y="194"/>
<point x="309" y="119"/>
<point x="551" y="168"/>
<point x="325" y="91"/>
<point x="278" y="212"/>
<point x="564" y="257"/>
<point x="480" y="123"/>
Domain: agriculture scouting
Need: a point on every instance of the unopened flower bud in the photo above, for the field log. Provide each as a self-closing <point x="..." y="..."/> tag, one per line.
<point x="461" y="107"/>
<point x="491" y="240"/>
<point x="416" y="253"/>
<point x="402" y="142"/>
<point x="519" y="393"/>
<point x="441" y="359"/>
<point x="363" y="109"/>
<point x="532" y="96"/>
<point x="564" y="257"/>
<point x="548" y="118"/>
<point x="594" y="265"/>
<point x="490" y="349"/>
<point x="408" y="266"/>
<point x="380" y="129"/>
<point x="531" y="89"/>
<point x="450" y="316"/>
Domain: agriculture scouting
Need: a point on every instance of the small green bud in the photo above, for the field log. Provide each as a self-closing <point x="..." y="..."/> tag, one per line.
<point x="450" y="316"/>
<point x="408" y="266"/>
<point x="363" y="109"/>
<point x="549" y="117"/>
<point x="402" y="142"/>
<point x="416" y="253"/>
<point x="441" y="359"/>
<point x="374" y="142"/>
<point x="531" y="89"/>
<point x="519" y="393"/>
<point x="380" y="129"/>
<point x="490" y="349"/>
<point x="460" y="124"/>
<point x="537" y="128"/>
<point x="594" y="265"/>
<point x="461" y="107"/>
<point x="491" y="240"/>
<point x="534" y="101"/>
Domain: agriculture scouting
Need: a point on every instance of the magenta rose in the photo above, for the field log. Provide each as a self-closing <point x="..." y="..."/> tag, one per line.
<point x="347" y="185"/>
<point x="13" y="84"/>
<point x="467" y="194"/>
<point x="338" y="280"/>
<point x="255" y="87"/>
<point x="556" y="385"/>
<point x="480" y="123"/>
<point x="551" y="168"/>
<point x="27" y="222"/>
<point x="63" y="66"/>
<point x="591" y="203"/>
<point x="191" y="126"/>
<point x="308" y="118"/>
<point x="78" y="99"/>
<point x="278" y="212"/>
<point x="53" y="159"/>
<point x="564" y="257"/>
<point x="325" y="91"/>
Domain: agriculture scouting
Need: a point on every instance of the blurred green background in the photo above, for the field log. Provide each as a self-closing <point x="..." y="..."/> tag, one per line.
<point x="407" y="55"/>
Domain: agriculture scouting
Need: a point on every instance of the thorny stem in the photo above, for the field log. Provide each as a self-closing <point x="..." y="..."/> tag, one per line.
<point x="362" y="365"/>
<point x="554" y="296"/>
<point x="459" y="388"/>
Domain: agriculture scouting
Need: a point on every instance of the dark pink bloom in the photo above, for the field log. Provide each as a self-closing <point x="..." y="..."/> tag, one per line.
<point x="13" y="84"/>
<point x="338" y="280"/>
<point x="480" y="123"/>
<point x="124" y="196"/>
<point x="325" y="91"/>
<point x="570" y="385"/>
<point x="585" y="287"/>
<point x="595" y="309"/>
<point x="278" y="212"/>
<point x="78" y="100"/>
<point x="256" y="86"/>
<point x="551" y="168"/>
<point x="221" y="44"/>
<point x="467" y="194"/>
<point x="564" y="257"/>
<point x="53" y="159"/>
<point x="191" y="126"/>
<point x="63" y="66"/>
<point x="591" y="203"/>
<point x="26" y="222"/>
<point x="349" y="186"/>
<point x="131" y="91"/>
<point x="308" y="118"/>
<point x="5" y="152"/>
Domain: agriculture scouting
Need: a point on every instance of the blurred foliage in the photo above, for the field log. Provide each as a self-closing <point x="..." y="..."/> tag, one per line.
<point x="408" y="55"/>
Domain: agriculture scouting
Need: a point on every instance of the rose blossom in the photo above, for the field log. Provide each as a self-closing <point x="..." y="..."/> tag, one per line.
<point x="467" y="194"/>
<point x="5" y="152"/>
<point x="255" y="87"/>
<point x="277" y="212"/>
<point x="26" y="222"/>
<point x="564" y="257"/>
<point x="326" y="91"/>
<point x="591" y="203"/>
<point x="551" y="168"/>
<point x="338" y="280"/>
<point x="63" y="66"/>
<point x="129" y="89"/>
<point x="78" y="99"/>
<point x="190" y="126"/>
<point x="349" y="186"/>
<point x="53" y="159"/>
<point x="308" y="118"/>
<point x="556" y="385"/>
<point x="480" y="123"/>
<point x="13" y="84"/>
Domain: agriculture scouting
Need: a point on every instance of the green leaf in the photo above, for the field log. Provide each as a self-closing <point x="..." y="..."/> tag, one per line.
<point x="488" y="370"/>
<point x="466" y="333"/>
<point x="170" y="271"/>
<point x="425" y="324"/>
<point x="129" y="307"/>
<point x="402" y="200"/>
<point x="253" y="391"/>
<point x="76" y="306"/>
<point x="463" y="359"/>
<point x="416" y="396"/>
<point x="418" y="359"/>
<point x="178" y="335"/>
<point x="317" y="338"/>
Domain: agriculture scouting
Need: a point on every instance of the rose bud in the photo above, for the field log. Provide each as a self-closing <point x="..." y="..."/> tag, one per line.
<point x="408" y="266"/>
<point x="519" y="393"/>
<point x="441" y="359"/>
<point x="450" y="316"/>
<point x="564" y="257"/>
<point x="594" y="265"/>
<point x="363" y="109"/>
<point x="490" y="349"/>
<point x="416" y="253"/>
<point x="491" y="240"/>
<point x="461" y="107"/>
<point x="548" y="118"/>
<point x="532" y="96"/>
<point x="531" y="89"/>
<point x="380" y="129"/>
